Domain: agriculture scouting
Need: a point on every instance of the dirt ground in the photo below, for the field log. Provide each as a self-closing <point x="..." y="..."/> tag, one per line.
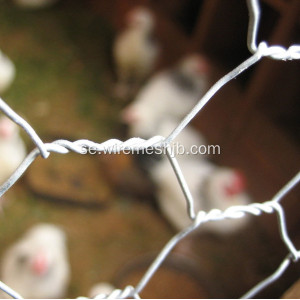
<point x="64" y="88"/>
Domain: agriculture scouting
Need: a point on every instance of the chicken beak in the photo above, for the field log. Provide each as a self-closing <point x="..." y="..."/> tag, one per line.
<point x="129" y="116"/>
<point x="6" y="128"/>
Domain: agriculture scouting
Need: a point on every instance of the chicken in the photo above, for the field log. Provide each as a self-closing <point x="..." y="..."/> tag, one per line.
<point x="7" y="72"/>
<point x="34" y="4"/>
<point x="211" y="187"/>
<point x="169" y="94"/>
<point x="135" y="52"/>
<point x="12" y="148"/>
<point x="37" y="265"/>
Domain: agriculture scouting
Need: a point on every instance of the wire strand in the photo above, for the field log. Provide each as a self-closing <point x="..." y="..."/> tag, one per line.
<point x="269" y="280"/>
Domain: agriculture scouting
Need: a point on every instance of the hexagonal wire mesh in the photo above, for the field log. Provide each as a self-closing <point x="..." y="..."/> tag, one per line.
<point x="197" y="219"/>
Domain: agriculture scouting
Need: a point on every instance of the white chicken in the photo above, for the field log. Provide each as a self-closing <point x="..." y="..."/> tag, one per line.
<point x="12" y="148"/>
<point x="210" y="186"/>
<point x="37" y="265"/>
<point x="169" y="94"/>
<point x="34" y="4"/>
<point x="135" y="52"/>
<point x="7" y="72"/>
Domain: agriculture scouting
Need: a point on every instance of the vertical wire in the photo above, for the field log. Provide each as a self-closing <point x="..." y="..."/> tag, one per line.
<point x="181" y="180"/>
<point x="254" y="18"/>
<point x="283" y="231"/>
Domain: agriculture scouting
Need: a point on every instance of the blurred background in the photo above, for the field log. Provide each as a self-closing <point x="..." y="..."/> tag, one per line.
<point x="65" y="87"/>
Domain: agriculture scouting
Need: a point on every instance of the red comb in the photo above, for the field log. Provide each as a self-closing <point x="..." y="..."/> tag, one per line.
<point x="40" y="264"/>
<point x="237" y="185"/>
